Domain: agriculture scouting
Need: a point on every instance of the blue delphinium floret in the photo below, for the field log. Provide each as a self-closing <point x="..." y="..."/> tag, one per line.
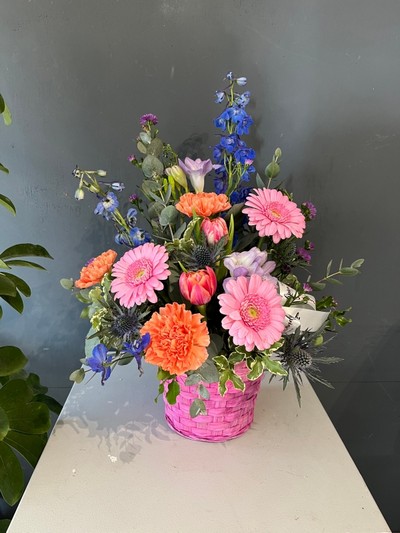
<point x="107" y="205"/>
<point x="98" y="360"/>
<point x="136" y="349"/>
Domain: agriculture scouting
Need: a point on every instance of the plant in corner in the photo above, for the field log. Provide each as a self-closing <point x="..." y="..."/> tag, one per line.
<point x="24" y="405"/>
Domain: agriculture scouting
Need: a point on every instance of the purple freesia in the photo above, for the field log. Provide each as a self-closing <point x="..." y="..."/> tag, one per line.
<point x="254" y="261"/>
<point x="196" y="170"/>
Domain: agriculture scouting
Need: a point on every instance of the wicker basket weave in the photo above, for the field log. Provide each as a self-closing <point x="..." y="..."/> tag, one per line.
<point x="227" y="417"/>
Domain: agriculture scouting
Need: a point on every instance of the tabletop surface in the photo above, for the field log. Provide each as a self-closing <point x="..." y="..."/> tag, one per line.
<point x="113" y="465"/>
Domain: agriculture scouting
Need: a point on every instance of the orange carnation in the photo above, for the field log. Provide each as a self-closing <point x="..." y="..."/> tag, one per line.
<point x="205" y="204"/>
<point x="178" y="339"/>
<point x="95" y="269"/>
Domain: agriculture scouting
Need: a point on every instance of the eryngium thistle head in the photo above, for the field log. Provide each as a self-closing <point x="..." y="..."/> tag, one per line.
<point x="124" y="324"/>
<point x="299" y="358"/>
<point x="202" y="256"/>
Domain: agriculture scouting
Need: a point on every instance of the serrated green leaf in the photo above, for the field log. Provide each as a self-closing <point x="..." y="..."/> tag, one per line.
<point x="77" y="375"/>
<point x="7" y="287"/>
<point x="11" y="360"/>
<point x="21" y="285"/>
<point x="4" y="424"/>
<point x="256" y="371"/>
<point x="29" y="446"/>
<point x="4" y="169"/>
<point x="223" y="378"/>
<point x="236" y="357"/>
<point x="237" y="382"/>
<point x="221" y="362"/>
<point x="172" y="392"/>
<point x="25" y="250"/>
<point x="274" y="367"/>
<point x="7" y="203"/>
<point x="204" y="392"/>
<point x="11" y="475"/>
<point x="197" y="408"/>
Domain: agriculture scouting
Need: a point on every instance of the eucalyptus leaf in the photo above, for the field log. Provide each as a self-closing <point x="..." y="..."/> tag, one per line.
<point x="152" y="166"/>
<point x="90" y="342"/>
<point x="67" y="283"/>
<point x="357" y="263"/>
<point x="349" y="271"/>
<point x="7" y="203"/>
<point x="204" y="392"/>
<point x="145" y="137"/>
<point x="168" y="215"/>
<point x="11" y="360"/>
<point x="317" y="286"/>
<point x="179" y="232"/>
<point x="197" y="408"/>
<point x="272" y="170"/>
<point x="156" y="147"/>
<point x="334" y="281"/>
<point x="328" y="268"/>
<point x="193" y="379"/>
<point x="77" y="375"/>
<point x="141" y="147"/>
<point x="208" y="371"/>
<point x="11" y="475"/>
<point x="259" y="181"/>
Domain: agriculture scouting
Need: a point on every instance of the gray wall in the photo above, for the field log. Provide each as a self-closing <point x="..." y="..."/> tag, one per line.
<point x="324" y="77"/>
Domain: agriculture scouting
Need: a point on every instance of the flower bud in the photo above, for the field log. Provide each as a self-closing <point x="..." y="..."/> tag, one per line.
<point x="214" y="229"/>
<point x="101" y="173"/>
<point x="198" y="287"/>
<point x="178" y="175"/>
<point x="79" y="194"/>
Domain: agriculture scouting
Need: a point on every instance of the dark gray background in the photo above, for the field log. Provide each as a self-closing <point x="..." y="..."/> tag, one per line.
<point x="324" y="77"/>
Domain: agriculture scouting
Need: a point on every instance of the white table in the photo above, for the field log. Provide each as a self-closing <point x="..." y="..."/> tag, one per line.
<point x="113" y="465"/>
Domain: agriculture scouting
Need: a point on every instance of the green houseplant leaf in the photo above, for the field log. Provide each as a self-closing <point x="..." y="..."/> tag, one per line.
<point x="11" y="360"/>
<point x="11" y="475"/>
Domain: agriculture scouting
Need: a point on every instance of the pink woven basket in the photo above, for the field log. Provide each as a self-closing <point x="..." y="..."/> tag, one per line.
<point x="227" y="417"/>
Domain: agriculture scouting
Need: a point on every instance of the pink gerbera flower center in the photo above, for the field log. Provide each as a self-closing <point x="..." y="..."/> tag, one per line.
<point x="254" y="311"/>
<point x="139" y="272"/>
<point x="275" y="211"/>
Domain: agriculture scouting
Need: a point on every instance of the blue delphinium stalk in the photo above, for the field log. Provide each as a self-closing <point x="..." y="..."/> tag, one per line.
<point x="136" y="349"/>
<point x="231" y="153"/>
<point x="99" y="361"/>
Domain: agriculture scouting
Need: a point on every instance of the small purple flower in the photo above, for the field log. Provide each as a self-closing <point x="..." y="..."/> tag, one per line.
<point x="99" y="361"/>
<point x="307" y="287"/>
<point x="148" y="118"/>
<point x="133" y="198"/>
<point x="131" y="158"/>
<point x="196" y="170"/>
<point x="220" y="95"/>
<point x="107" y="205"/>
<point x="303" y="254"/>
<point x="309" y="210"/>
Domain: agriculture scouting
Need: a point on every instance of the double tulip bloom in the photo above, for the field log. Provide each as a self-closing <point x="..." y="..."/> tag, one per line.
<point x="198" y="287"/>
<point x="214" y="229"/>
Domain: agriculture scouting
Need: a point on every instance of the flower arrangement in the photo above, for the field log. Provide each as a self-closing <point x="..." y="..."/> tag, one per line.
<point x="221" y="275"/>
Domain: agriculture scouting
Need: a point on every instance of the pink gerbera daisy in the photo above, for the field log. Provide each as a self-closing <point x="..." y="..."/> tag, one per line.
<point x="274" y="215"/>
<point x="254" y="313"/>
<point x="138" y="274"/>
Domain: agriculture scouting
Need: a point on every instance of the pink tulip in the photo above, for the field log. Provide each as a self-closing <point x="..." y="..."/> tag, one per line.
<point x="214" y="229"/>
<point x="198" y="287"/>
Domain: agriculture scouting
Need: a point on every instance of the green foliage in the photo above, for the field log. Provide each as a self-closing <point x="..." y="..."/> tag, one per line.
<point x="24" y="405"/>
